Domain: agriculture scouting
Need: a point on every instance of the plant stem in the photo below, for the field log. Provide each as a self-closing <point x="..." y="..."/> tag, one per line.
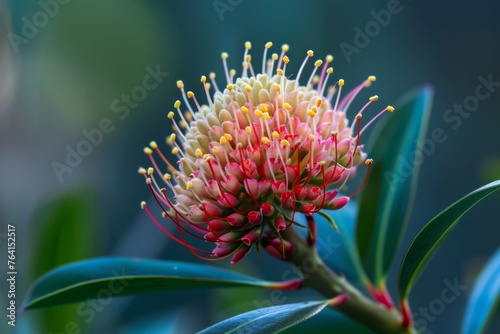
<point x="319" y="277"/>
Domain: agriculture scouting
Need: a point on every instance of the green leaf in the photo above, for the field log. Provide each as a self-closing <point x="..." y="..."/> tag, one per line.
<point x="430" y="237"/>
<point x="122" y="276"/>
<point x="266" y="320"/>
<point x="387" y="198"/>
<point x="66" y="229"/>
<point x="484" y="297"/>
<point x="329" y="321"/>
<point x="338" y="250"/>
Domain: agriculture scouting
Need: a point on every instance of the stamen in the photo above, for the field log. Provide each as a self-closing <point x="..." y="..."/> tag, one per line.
<point x="322" y="83"/>
<point x="368" y="162"/>
<point x="212" y="79"/>
<point x="268" y="45"/>
<point x="388" y="108"/>
<point x="310" y="54"/>
<point x="224" y="57"/>
<point x="317" y="64"/>
<point x="284" y="50"/>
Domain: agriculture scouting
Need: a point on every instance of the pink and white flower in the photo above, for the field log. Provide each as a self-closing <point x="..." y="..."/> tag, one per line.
<point x="264" y="148"/>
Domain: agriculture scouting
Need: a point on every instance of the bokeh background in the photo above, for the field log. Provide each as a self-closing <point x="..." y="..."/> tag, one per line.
<point x="62" y="72"/>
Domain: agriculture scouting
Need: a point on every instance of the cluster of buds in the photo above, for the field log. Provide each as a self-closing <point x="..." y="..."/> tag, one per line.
<point x="261" y="150"/>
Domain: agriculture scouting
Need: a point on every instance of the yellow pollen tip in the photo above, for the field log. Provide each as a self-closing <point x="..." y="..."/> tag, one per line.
<point x="263" y="107"/>
<point x="269" y="45"/>
<point x="248" y="45"/>
<point x="180" y="84"/>
<point x="222" y="140"/>
<point x="390" y="108"/>
<point x="153" y="145"/>
<point x="341" y="82"/>
<point x="368" y="162"/>
<point x="190" y="94"/>
<point x="211" y="75"/>
<point x="151" y="171"/>
<point x="216" y="150"/>
<point x="228" y="137"/>
<point x="143" y="205"/>
<point x="279" y="71"/>
<point x="265" y="141"/>
<point x="287" y="106"/>
<point x="329" y="70"/>
<point x="189" y="185"/>
<point x="334" y="133"/>
<point x="198" y="153"/>
<point x="230" y="87"/>
<point x="274" y="56"/>
<point x="163" y="214"/>
<point x="329" y="58"/>
<point x="183" y="124"/>
<point x="285" y="47"/>
<point x="276" y="134"/>
<point x="244" y="109"/>
<point x="170" y="115"/>
<point x="148" y="151"/>
<point x="248" y="89"/>
<point x="374" y="98"/>
<point x="232" y="72"/>
<point x="142" y="171"/>
<point x="277" y="88"/>
<point x="248" y="130"/>
<point x="258" y="113"/>
<point x="177" y="104"/>
<point x="175" y="150"/>
<point x="372" y="78"/>
<point x="207" y="86"/>
<point x="318" y="63"/>
<point x="167" y="177"/>
<point x="172" y="137"/>
<point x="285" y="143"/>
<point x="311" y="137"/>
<point x="310" y="53"/>
<point x="286" y="60"/>
<point x="203" y="79"/>
<point x="311" y="113"/>
<point x="318" y="102"/>
<point x="224" y="55"/>
<point x="266" y="116"/>
<point x="148" y="180"/>
<point x="188" y="116"/>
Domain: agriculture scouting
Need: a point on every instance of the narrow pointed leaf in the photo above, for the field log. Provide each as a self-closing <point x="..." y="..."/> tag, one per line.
<point x="329" y="321"/>
<point x="266" y="320"/>
<point x="122" y="276"/>
<point x="387" y="199"/>
<point x="484" y="297"/>
<point x="430" y="237"/>
<point x="64" y="231"/>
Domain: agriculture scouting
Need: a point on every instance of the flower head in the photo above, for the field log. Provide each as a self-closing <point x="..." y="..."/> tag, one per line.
<point x="264" y="148"/>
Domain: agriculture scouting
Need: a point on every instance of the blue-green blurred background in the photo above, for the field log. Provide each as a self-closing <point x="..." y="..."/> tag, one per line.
<point x="63" y="76"/>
